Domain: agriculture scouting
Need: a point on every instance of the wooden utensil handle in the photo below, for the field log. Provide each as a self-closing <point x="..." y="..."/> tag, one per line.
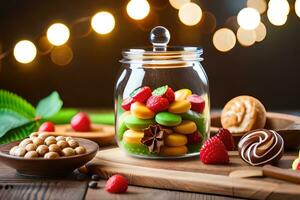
<point x="282" y="174"/>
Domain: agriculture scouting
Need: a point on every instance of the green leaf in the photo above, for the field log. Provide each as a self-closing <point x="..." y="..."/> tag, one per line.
<point x="160" y="91"/>
<point x="17" y="104"/>
<point x="64" y="116"/>
<point x="49" y="106"/>
<point x="20" y="132"/>
<point x="10" y="120"/>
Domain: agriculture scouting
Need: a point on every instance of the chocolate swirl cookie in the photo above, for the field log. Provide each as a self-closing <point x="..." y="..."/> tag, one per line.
<point x="261" y="146"/>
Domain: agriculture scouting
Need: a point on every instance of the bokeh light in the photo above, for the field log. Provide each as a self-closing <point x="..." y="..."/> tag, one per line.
<point x="280" y="7"/>
<point x="44" y="46"/>
<point x="276" y="18"/>
<point x="190" y="14"/>
<point x="259" y="5"/>
<point x="178" y="3"/>
<point x="25" y="51"/>
<point x="208" y="22"/>
<point x="248" y="18"/>
<point x="260" y="32"/>
<point x="297" y="7"/>
<point x="224" y="39"/>
<point x="103" y="22"/>
<point x="138" y="9"/>
<point x="246" y="37"/>
<point x="61" y="55"/>
<point x="231" y="23"/>
<point x="58" y="34"/>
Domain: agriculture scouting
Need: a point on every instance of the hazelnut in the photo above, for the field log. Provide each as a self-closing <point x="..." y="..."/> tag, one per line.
<point x="58" y="138"/>
<point x="25" y="142"/>
<point x="69" y="138"/>
<point x="38" y="141"/>
<point x="43" y="136"/>
<point x="62" y="144"/>
<point x="50" y="140"/>
<point x="68" y="151"/>
<point x="42" y="149"/>
<point x="12" y="150"/>
<point x="31" y="154"/>
<point x="30" y="147"/>
<point x="54" y="148"/>
<point x="83" y="169"/>
<point x="73" y="143"/>
<point x="51" y="155"/>
<point x="33" y="135"/>
<point x="20" y="151"/>
<point x="80" y="150"/>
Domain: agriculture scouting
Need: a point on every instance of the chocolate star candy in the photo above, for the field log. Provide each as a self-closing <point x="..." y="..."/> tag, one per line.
<point x="153" y="138"/>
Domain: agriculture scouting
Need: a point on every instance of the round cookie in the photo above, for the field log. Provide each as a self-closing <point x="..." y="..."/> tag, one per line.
<point x="182" y="94"/>
<point x="141" y="111"/>
<point x="167" y="119"/>
<point x="175" y="140"/>
<point x="180" y="106"/>
<point x="199" y="119"/>
<point x="137" y="124"/>
<point x="173" y="151"/>
<point x="133" y="137"/>
<point x="186" y="127"/>
<point x="242" y="114"/>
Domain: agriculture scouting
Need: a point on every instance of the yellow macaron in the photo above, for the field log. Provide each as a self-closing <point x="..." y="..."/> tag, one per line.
<point x="182" y="94"/>
<point x="186" y="127"/>
<point x="175" y="140"/>
<point x="141" y="111"/>
<point x="133" y="137"/>
<point x="180" y="106"/>
<point x="173" y="151"/>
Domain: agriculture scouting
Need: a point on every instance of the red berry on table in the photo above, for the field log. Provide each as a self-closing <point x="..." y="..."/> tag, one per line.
<point x="157" y="103"/>
<point x="166" y="92"/>
<point x="214" y="152"/>
<point x="194" y="138"/>
<point x="141" y="94"/>
<point x="81" y="122"/>
<point x="127" y="103"/>
<point x="197" y="103"/>
<point x="47" y="127"/>
<point x="116" y="184"/>
<point x="226" y="137"/>
<point x="298" y="166"/>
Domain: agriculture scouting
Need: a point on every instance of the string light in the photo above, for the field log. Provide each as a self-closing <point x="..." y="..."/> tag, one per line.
<point x="103" y="22"/>
<point x="58" y="34"/>
<point x="261" y="32"/>
<point x="248" y="18"/>
<point x="297" y="7"/>
<point x="138" y="9"/>
<point x="190" y="14"/>
<point x="178" y="3"/>
<point x="224" y="39"/>
<point x="25" y="51"/>
<point x="259" y="5"/>
<point x="276" y="18"/>
<point x="246" y="37"/>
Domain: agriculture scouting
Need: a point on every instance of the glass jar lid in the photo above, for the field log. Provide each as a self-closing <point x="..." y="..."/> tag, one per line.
<point x="160" y="53"/>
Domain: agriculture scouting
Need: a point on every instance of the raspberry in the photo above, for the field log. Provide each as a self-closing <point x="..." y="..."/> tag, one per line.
<point x="197" y="103"/>
<point x="127" y="103"/>
<point x="226" y="137"/>
<point x="141" y="94"/>
<point x="194" y="138"/>
<point x="81" y="122"/>
<point x="298" y="166"/>
<point x="214" y="152"/>
<point x="157" y="103"/>
<point x="166" y="92"/>
<point x="47" y="127"/>
<point x="116" y="184"/>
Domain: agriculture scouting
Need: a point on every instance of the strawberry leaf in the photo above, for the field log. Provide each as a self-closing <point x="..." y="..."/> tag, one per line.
<point x="160" y="91"/>
<point x="49" y="106"/>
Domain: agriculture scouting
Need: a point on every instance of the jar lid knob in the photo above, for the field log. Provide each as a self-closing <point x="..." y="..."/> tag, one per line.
<point x="159" y="37"/>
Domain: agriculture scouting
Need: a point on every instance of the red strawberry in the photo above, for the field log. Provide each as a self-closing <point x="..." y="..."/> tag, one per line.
<point x="170" y="95"/>
<point x="214" y="152"/>
<point x="116" y="184"/>
<point x="197" y="103"/>
<point x="157" y="103"/>
<point x="127" y="103"/>
<point x="47" y="127"/>
<point x="141" y="94"/>
<point x="298" y="166"/>
<point x="194" y="138"/>
<point x="166" y="92"/>
<point x="226" y="137"/>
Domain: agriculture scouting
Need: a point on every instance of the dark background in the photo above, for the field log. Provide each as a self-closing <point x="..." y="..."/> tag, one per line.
<point x="268" y="70"/>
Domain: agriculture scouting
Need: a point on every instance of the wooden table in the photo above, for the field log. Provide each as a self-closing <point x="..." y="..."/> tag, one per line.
<point x="13" y="186"/>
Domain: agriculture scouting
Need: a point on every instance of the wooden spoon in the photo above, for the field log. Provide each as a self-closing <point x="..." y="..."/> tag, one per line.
<point x="269" y="171"/>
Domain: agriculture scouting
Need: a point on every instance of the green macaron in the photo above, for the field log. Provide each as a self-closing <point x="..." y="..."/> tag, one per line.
<point x="137" y="124"/>
<point x="199" y="119"/>
<point x="167" y="119"/>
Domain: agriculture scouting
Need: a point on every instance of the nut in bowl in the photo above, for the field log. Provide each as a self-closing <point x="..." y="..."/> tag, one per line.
<point x="31" y="157"/>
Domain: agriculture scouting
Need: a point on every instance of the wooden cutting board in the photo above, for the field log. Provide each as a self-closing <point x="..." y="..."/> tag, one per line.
<point x="193" y="176"/>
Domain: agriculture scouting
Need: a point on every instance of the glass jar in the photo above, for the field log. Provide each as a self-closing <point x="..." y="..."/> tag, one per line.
<point x="162" y="104"/>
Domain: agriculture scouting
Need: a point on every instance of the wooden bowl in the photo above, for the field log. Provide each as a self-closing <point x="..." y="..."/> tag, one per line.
<point x="288" y="126"/>
<point x="41" y="167"/>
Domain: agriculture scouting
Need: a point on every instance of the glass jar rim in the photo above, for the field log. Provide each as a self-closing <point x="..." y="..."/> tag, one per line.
<point x="168" y="55"/>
